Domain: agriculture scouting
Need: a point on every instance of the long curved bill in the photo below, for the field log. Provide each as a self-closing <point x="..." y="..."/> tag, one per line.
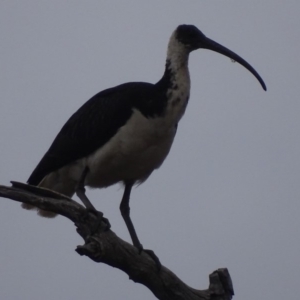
<point x="214" y="46"/>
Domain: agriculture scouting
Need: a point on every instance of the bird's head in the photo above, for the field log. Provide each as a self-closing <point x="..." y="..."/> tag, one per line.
<point x="192" y="39"/>
<point x="190" y="36"/>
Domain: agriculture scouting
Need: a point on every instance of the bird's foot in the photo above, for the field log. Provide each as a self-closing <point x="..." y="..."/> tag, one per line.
<point x="154" y="257"/>
<point x="151" y="254"/>
<point x="99" y="219"/>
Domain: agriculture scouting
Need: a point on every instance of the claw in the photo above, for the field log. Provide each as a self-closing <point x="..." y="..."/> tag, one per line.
<point x="154" y="257"/>
<point x="99" y="219"/>
<point x="151" y="254"/>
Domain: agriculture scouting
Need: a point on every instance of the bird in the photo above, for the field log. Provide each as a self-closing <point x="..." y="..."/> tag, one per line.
<point x="124" y="133"/>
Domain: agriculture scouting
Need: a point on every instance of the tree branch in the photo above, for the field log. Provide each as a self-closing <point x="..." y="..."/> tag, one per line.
<point x="105" y="246"/>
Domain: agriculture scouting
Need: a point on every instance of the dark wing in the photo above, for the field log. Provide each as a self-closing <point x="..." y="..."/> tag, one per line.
<point x="90" y="127"/>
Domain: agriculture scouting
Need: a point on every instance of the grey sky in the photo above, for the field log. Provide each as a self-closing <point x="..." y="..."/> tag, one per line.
<point x="227" y="195"/>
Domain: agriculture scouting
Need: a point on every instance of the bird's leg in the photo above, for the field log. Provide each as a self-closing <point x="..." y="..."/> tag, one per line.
<point x="80" y="192"/>
<point x="125" y="212"/>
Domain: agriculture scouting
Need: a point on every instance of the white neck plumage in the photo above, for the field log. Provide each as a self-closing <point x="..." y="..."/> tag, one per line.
<point x="177" y="64"/>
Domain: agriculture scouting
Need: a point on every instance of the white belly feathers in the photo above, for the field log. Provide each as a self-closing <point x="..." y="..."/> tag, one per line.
<point x="139" y="147"/>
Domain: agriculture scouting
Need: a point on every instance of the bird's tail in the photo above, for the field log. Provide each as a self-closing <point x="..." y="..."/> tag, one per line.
<point x="58" y="183"/>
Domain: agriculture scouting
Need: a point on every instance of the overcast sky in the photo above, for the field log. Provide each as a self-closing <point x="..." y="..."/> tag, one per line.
<point x="228" y="193"/>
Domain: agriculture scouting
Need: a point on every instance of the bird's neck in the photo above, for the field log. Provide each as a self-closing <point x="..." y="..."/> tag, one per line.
<point x="176" y="69"/>
<point x="176" y="78"/>
<point x="177" y="55"/>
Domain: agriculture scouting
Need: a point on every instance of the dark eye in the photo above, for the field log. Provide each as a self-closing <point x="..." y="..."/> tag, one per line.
<point x="188" y="34"/>
<point x="192" y="33"/>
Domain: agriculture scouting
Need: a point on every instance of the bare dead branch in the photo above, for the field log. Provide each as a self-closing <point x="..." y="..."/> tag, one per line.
<point x="105" y="246"/>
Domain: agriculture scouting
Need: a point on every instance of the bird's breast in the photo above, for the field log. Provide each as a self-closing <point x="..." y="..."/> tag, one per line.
<point x="138" y="147"/>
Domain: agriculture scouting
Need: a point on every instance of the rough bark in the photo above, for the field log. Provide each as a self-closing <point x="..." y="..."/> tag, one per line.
<point x="105" y="246"/>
